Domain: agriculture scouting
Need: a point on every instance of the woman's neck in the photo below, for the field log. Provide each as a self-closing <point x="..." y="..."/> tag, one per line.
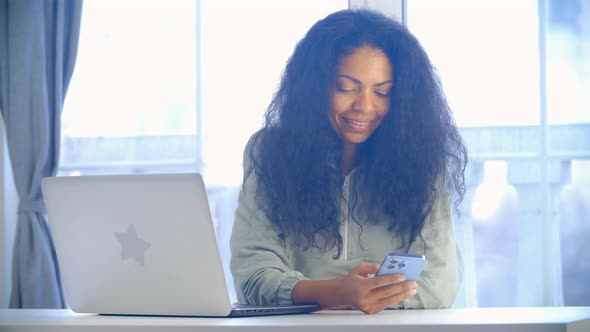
<point x="349" y="153"/>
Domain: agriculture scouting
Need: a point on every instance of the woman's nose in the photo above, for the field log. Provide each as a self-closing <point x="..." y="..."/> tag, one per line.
<point x="365" y="101"/>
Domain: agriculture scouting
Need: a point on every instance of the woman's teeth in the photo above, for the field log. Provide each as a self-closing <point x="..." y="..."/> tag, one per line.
<point x="356" y="123"/>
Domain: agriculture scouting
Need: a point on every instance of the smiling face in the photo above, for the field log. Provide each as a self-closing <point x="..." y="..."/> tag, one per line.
<point x="360" y="96"/>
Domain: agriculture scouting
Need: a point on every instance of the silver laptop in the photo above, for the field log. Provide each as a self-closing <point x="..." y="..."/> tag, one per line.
<point x="141" y="245"/>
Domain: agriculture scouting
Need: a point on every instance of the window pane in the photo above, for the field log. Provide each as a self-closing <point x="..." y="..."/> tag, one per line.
<point x="486" y="53"/>
<point x="572" y="211"/>
<point x="568" y="76"/>
<point x="568" y="56"/>
<point x="523" y="203"/>
<point x="568" y="114"/>
<point x="244" y="48"/>
<point x="131" y="101"/>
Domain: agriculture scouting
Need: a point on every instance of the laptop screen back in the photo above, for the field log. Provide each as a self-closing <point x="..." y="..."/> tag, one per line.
<point x="136" y="244"/>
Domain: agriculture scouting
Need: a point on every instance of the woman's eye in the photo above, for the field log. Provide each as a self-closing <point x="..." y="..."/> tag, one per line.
<point x="345" y="87"/>
<point x="382" y="93"/>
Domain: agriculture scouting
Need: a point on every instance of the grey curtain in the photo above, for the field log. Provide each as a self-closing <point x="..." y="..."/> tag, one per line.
<point x="38" y="43"/>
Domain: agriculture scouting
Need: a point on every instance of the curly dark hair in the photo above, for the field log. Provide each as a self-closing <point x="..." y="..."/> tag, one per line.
<point x="400" y="167"/>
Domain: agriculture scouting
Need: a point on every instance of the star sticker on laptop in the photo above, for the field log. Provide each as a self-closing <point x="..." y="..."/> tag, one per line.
<point x="131" y="245"/>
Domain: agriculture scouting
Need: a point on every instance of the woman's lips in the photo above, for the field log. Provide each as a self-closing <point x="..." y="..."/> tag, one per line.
<point x="357" y="125"/>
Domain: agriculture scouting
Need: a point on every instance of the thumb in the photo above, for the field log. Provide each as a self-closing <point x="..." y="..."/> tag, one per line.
<point x="365" y="268"/>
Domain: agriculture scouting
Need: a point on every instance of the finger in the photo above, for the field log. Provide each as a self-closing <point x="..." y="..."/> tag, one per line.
<point x="372" y="309"/>
<point x="381" y="298"/>
<point x="373" y="306"/>
<point x="393" y="289"/>
<point x="380" y="281"/>
<point x="396" y="298"/>
<point x="366" y="268"/>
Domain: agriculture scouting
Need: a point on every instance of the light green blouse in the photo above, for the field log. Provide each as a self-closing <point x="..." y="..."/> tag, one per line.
<point x="265" y="271"/>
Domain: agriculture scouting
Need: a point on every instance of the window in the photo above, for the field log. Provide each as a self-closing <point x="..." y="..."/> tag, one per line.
<point x="244" y="49"/>
<point x="179" y="86"/>
<point x="514" y="73"/>
<point x="131" y="105"/>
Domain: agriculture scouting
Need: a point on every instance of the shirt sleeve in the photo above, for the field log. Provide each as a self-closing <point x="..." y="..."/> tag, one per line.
<point x="440" y="280"/>
<point x="260" y="263"/>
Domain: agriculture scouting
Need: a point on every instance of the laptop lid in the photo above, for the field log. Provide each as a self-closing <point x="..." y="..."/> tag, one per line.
<point x="140" y="244"/>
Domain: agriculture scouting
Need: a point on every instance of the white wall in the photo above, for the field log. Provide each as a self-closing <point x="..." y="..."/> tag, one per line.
<point x="8" y="207"/>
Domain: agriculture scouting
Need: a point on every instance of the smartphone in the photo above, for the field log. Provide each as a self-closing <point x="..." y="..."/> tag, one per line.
<point x="408" y="264"/>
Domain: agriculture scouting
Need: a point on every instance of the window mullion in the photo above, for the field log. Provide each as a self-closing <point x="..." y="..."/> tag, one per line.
<point x="552" y="294"/>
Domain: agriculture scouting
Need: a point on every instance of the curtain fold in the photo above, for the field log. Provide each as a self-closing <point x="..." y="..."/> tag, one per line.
<point x="38" y="45"/>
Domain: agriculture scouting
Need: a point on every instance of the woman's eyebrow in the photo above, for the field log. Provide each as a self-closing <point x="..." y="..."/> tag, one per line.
<point x="384" y="83"/>
<point x="357" y="81"/>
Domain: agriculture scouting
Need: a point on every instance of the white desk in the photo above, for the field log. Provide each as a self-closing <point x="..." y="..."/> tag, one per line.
<point x="540" y="319"/>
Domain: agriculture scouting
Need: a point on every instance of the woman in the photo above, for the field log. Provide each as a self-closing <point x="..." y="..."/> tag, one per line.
<point x="356" y="159"/>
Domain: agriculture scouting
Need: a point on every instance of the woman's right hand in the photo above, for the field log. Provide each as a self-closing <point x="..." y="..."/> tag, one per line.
<point x="358" y="289"/>
<point x="369" y="294"/>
